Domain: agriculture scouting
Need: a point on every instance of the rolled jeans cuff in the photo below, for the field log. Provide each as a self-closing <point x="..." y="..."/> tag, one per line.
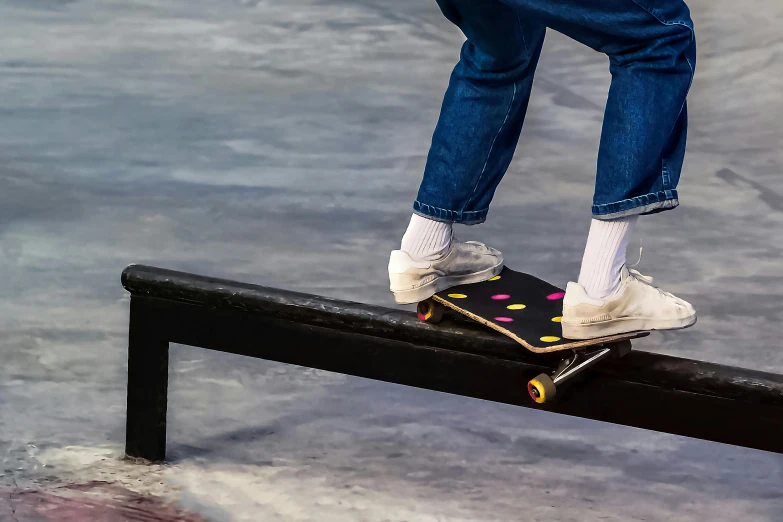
<point x="647" y="204"/>
<point x="473" y="217"/>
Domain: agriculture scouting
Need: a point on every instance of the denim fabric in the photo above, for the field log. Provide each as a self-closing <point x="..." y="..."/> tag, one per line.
<point x="652" y="55"/>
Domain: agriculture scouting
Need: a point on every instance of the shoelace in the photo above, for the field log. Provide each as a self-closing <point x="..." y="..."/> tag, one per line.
<point x="638" y="275"/>
<point x="647" y="280"/>
<point x="484" y="247"/>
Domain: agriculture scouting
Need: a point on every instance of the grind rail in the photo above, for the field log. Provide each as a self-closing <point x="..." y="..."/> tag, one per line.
<point x="644" y="390"/>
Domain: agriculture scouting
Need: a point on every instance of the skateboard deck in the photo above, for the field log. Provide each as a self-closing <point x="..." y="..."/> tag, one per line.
<point x="520" y="306"/>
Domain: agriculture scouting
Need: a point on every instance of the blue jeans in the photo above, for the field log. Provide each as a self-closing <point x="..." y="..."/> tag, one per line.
<point x="652" y="55"/>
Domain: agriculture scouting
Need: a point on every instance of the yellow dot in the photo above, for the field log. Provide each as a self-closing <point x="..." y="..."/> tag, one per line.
<point x="516" y="307"/>
<point x="557" y="319"/>
<point x="495" y="278"/>
<point x="457" y="296"/>
<point x="550" y="339"/>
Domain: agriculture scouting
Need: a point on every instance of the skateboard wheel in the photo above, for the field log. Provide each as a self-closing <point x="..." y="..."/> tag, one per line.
<point x="430" y="311"/>
<point x="542" y="388"/>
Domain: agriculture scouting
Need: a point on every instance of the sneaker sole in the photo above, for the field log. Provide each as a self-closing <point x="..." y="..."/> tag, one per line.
<point x="439" y="284"/>
<point x="622" y="326"/>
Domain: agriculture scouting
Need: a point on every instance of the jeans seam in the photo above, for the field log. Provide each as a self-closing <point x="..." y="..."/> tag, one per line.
<point x="522" y="34"/>
<point x="665" y="180"/>
<point x="491" y="147"/>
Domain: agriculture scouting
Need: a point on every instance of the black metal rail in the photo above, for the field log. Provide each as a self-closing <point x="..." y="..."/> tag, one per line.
<point x="668" y="394"/>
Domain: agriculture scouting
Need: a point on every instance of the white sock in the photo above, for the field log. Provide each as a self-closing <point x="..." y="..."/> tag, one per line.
<point x="426" y="239"/>
<point x="605" y="256"/>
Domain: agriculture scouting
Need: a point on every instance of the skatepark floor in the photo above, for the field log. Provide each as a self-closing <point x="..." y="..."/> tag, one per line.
<point x="282" y="143"/>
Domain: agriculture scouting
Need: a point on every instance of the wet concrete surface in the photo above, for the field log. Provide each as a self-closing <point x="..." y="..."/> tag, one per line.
<point x="282" y="143"/>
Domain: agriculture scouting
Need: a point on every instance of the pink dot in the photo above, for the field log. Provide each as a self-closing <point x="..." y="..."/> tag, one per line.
<point x="500" y="297"/>
<point x="556" y="296"/>
<point x="503" y="319"/>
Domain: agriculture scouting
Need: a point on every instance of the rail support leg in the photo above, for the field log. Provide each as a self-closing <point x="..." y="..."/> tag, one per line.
<point x="148" y="364"/>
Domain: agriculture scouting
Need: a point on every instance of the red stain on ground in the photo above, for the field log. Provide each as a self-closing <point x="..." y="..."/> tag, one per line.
<point x="93" y="502"/>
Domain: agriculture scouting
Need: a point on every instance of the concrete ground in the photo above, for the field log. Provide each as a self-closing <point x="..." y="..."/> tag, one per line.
<point x="282" y="143"/>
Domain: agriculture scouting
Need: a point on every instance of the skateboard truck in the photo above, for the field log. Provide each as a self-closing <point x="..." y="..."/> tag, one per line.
<point x="543" y="388"/>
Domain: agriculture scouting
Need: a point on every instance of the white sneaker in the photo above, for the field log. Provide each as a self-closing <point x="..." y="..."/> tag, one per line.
<point x="637" y="305"/>
<point x="467" y="262"/>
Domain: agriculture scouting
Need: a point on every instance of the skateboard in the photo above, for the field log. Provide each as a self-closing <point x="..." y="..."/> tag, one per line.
<point x="528" y="310"/>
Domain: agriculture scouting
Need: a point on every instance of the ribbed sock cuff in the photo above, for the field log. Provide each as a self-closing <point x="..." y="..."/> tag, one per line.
<point x="426" y="239"/>
<point x="604" y="255"/>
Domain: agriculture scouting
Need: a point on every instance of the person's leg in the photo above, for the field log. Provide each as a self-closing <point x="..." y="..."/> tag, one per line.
<point x="472" y="146"/>
<point x="482" y="112"/>
<point x="652" y="57"/>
